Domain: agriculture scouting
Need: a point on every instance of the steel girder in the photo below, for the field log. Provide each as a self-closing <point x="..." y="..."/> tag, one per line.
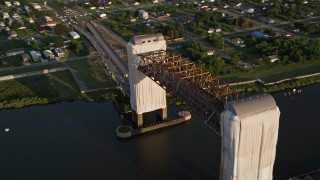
<point x="191" y="83"/>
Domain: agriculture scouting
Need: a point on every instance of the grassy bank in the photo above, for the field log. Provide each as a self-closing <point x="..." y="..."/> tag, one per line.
<point x="258" y="87"/>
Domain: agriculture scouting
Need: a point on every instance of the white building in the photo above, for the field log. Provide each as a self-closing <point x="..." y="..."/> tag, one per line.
<point x="16" y="3"/>
<point x="48" y="54"/>
<point x="146" y="95"/>
<point x="143" y="14"/>
<point x="60" y="52"/>
<point x="35" y="55"/>
<point x="249" y="134"/>
<point x="102" y="15"/>
<point x="8" y="3"/>
<point x="35" y="6"/>
<point x="74" y="35"/>
<point x="5" y="15"/>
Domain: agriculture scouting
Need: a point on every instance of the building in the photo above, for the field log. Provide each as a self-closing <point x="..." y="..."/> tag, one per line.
<point x="143" y="14"/>
<point x="14" y="52"/>
<point x="47" y="18"/>
<point x="36" y="55"/>
<point x="249" y="135"/>
<point x="102" y="15"/>
<point x="74" y="35"/>
<point x="16" y="3"/>
<point x="8" y="3"/>
<point x="35" y="6"/>
<point x="5" y="15"/>
<point x="238" y="42"/>
<point x="50" y="24"/>
<point x="26" y="58"/>
<point x="274" y="58"/>
<point x="210" y="52"/>
<point x="145" y="94"/>
<point x="60" y="52"/>
<point x="48" y="54"/>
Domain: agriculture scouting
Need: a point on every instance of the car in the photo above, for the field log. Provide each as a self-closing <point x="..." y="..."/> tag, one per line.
<point x="122" y="81"/>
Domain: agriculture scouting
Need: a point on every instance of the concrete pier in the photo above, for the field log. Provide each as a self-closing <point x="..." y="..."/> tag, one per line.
<point x="137" y="118"/>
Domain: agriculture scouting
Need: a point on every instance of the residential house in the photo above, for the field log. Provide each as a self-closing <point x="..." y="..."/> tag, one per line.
<point x="102" y="15"/>
<point x="15" y="16"/>
<point x="274" y="58"/>
<point x="212" y="30"/>
<point x="136" y="3"/>
<point x="51" y="23"/>
<point x="238" y="42"/>
<point x="26" y="58"/>
<point x="143" y="14"/>
<point x="48" y="54"/>
<point x="5" y="15"/>
<point x="16" y="3"/>
<point x="74" y="35"/>
<point x="132" y="19"/>
<point x="14" y="52"/>
<point x="36" y="6"/>
<point x="36" y="55"/>
<point x="210" y="52"/>
<point x="8" y="3"/>
<point x="47" y="18"/>
<point x="60" y="52"/>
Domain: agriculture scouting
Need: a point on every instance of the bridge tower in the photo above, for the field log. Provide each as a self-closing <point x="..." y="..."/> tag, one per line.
<point x="249" y="132"/>
<point x="145" y="94"/>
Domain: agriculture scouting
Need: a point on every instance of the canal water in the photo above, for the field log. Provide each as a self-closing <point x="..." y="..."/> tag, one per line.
<point x="77" y="140"/>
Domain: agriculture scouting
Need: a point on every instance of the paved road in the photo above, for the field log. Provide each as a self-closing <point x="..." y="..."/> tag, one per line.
<point x="110" y="58"/>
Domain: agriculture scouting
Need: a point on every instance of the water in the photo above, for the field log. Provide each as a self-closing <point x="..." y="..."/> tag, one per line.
<point x="77" y="141"/>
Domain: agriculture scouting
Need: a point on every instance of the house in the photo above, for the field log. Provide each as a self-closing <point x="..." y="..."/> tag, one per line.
<point x="60" y="52"/>
<point x="2" y="24"/>
<point x="48" y="54"/>
<point x="102" y="15"/>
<point x="47" y="18"/>
<point x="212" y="30"/>
<point x="257" y="34"/>
<point x="210" y="52"/>
<point x="274" y="58"/>
<point x="5" y="15"/>
<point x="238" y="42"/>
<point x="16" y="3"/>
<point x="74" y="35"/>
<point x="36" y="55"/>
<point x="51" y="23"/>
<point x="35" y="6"/>
<point x="25" y="58"/>
<point x="14" y="52"/>
<point x="132" y="19"/>
<point x="16" y="16"/>
<point x="143" y="14"/>
<point x="8" y="4"/>
<point x="136" y="3"/>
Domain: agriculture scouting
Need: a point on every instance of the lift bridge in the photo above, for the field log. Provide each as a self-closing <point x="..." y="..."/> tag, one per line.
<point x="196" y="86"/>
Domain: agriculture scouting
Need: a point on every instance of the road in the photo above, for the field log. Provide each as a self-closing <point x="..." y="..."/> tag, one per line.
<point x="111" y="60"/>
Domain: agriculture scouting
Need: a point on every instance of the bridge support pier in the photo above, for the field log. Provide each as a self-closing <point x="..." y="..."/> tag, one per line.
<point x="137" y="118"/>
<point x="163" y="113"/>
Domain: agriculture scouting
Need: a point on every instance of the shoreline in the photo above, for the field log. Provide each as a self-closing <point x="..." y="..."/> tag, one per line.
<point x="101" y="96"/>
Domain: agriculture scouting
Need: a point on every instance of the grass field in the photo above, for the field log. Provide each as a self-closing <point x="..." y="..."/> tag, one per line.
<point x="274" y="73"/>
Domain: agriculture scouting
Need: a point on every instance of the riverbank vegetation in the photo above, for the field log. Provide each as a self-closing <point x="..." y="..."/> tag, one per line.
<point x="258" y="87"/>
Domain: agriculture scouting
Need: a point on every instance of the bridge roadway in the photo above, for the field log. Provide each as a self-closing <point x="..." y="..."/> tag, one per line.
<point x="111" y="59"/>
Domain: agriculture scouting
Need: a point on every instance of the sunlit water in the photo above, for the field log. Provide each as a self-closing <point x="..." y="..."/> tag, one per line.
<point x="77" y="140"/>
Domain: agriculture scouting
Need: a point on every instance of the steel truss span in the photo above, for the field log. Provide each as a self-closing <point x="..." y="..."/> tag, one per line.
<point x="195" y="85"/>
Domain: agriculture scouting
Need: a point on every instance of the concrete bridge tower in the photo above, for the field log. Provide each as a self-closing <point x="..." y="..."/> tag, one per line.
<point x="145" y="94"/>
<point x="249" y="132"/>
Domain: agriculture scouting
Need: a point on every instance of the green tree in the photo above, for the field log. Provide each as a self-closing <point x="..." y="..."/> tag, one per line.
<point x="59" y="42"/>
<point x="60" y="29"/>
<point x="216" y="40"/>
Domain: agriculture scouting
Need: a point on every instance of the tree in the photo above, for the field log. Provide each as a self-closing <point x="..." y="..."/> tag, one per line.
<point x="60" y="29"/>
<point x="59" y="42"/>
<point x="216" y="40"/>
